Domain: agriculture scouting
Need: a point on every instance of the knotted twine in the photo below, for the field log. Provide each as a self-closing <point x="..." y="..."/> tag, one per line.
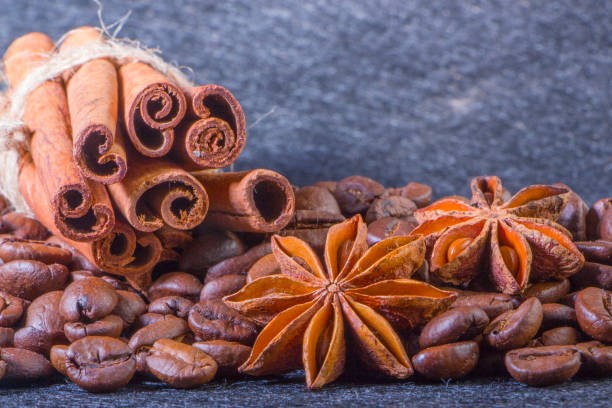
<point x="14" y="134"/>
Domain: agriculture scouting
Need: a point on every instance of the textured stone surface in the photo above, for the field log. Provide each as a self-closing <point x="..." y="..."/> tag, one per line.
<point x="436" y="92"/>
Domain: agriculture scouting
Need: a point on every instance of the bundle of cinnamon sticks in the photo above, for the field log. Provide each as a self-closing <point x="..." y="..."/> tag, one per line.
<point x="120" y="156"/>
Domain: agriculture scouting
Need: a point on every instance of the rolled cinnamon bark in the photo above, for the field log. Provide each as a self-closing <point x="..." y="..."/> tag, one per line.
<point x="250" y="201"/>
<point x="92" y="91"/>
<point x="216" y="132"/>
<point x="81" y="209"/>
<point x="152" y="107"/>
<point x="155" y="192"/>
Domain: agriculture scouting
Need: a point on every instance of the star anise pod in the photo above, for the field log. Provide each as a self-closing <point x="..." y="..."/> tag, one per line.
<point x="518" y="239"/>
<point x="307" y="307"/>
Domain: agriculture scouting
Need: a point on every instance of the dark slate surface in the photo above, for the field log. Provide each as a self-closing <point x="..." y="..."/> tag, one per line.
<point x="436" y="92"/>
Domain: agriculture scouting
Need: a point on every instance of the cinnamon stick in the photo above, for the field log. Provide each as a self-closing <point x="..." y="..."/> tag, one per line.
<point x="93" y="94"/>
<point x="216" y="132"/>
<point x="250" y="201"/>
<point x="152" y="107"/>
<point x="81" y="209"/>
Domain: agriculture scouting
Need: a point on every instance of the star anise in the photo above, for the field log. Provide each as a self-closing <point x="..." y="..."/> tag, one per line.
<point x="518" y="239"/>
<point x="306" y="307"/>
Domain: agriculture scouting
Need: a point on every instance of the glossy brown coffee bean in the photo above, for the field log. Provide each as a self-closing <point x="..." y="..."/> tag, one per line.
<point x="493" y="304"/>
<point x="12" y="249"/>
<point x="594" y="313"/>
<point x="356" y="193"/>
<point x="24" y="227"/>
<point x="110" y="326"/>
<point x="448" y="361"/>
<point x="238" y="265"/>
<point x="593" y="274"/>
<point x="265" y="266"/>
<point x="223" y="286"/>
<point x="548" y="292"/>
<point x="180" y="365"/>
<point x="44" y="325"/>
<point x="560" y="336"/>
<point x="419" y="193"/>
<point x="176" y="284"/>
<point x="573" y="216"/>
<point x="88" y="300"/>
<point x="317" y="199"/>
<point x="596" y="358"/>
<point x="391" y="206"/>
<point x="100" y="364"/>
<point x="462" y="323"/>
<point x="170" y="327"/>
<point x="557" y="315"/>
<point x="229" y="355"/>
<point x="57" y="355"/>
<point x="515" y="328"/>
<point x="30" y="279"/>
<point x="599" y="251"/>
<point x="146" y="319"/>
<point x="599" y="220"/>
<point x="213" y="320"/>
<point x="388" y="227"/>
<point x="569" y="299"/>
<point x="171" y="305"/>
<point x="24" y="365"/>
<point x="541" y="366"/>
<point x="6" y="336"/>
<point x="129" y="307"/>
<point x="11" y="309"/>
<point x="208" y="249"/>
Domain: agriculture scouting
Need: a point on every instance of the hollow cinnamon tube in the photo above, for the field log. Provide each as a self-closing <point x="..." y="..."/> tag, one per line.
<point x="92" y="91"/>
<point x="81" y="209"/>
<point x="152" y="107"/>
<point x="155" y="192"/>
<point x="250" y="201"/>
<point x="215" y="134"/>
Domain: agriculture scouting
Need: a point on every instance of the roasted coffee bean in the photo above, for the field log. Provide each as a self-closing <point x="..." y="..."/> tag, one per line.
<point x="599" y="251"/>
<point x="11" y="309"/>
<point x="209" y="249"/>
<point x="57" y="355"/>
<point x="388" y="227"/>
<point x="557" y="315"/>
<point x="265" y="266"/>
<point x="573" y="216"/>
<point x="391" y="206"/>
<point x="223" y="286"/>
<point x="171" y="305"/>
<point x="24" y="227"/>
<point x="540" y="366"/>
<point x="180" y="365"/>
<point x="569" y="299"/>
<point x="44" y="325"/>
<point x="560" y="336"/>
<point x="100" y="364"/>
<point x="213" y="320"/>
<point x="448" y="361"/>
<point x="2" y="366"/>
<point x="593" y="274"/>
<point x="170" y="327"/>
<point x="356" y="193"/>
<point x="110" y="326"/>
<point x="594" y="313"/>
<point x="30" y="279"/>
<point x="129" y="307"/>
<point x="229" y="355"/>
<point x="147" y="319"/>
<point x="176" y="284"/>
<point x="12" y="249"/>
<point x="24" y="365"/>
<point x="419" y="193"/>
<point x="239" y="264"/>
<point x="548" y="292"/>
<point x="88" y="300"/>
<point x="462" y="323"/>
<point x="6" y="336"/>
<point x="493" y="304"/>
<point x="320" y="200"/>
<point x="599" y="220"/>
<point x="596" y="358"/>
<point x="515" y="328"/>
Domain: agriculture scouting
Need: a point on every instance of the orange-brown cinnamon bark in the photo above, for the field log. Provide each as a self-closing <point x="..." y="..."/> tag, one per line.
<point x="253" y="201"/>
<point x="215" y="134"/>
<point x="92" y="91"/>
<point x="81" y="209"/>
<point x="152" y="107"/>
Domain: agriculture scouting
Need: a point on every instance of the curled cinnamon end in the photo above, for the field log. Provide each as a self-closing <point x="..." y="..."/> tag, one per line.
<point x="251" y="201"/>
<point x="155" y="192"/>
<point x="217" y="136"/>
<point x="152" y="105"/>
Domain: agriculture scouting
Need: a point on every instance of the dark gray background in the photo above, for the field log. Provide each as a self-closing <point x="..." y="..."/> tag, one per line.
<point x="429" y="91"/>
